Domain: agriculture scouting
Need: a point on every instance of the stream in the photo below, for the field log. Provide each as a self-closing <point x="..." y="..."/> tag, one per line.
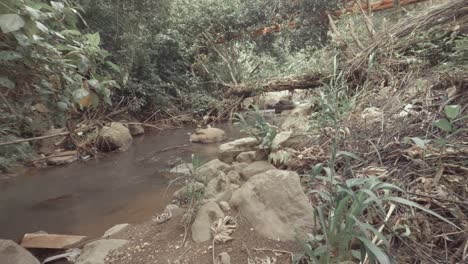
<point x="88" y="197"/>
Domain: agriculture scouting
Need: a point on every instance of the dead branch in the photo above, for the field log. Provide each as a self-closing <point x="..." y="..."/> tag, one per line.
<point x="33" y="139"/>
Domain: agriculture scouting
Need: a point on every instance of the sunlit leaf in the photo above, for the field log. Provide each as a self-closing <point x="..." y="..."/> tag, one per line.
<point x="57" y="5"/>
<point x="443" y="124"/>
<point x="42" y="27"/>
<point x="93" y="39"/>
<point x="452" y="111"/>
<point x="11" y="22"/>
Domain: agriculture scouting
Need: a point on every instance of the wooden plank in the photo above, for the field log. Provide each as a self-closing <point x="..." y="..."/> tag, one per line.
<point x="50" y="241"/>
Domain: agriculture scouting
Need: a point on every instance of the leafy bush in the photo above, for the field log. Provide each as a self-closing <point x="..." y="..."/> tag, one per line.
<point x="258" y="127"/>
<point x="45" y="61"/>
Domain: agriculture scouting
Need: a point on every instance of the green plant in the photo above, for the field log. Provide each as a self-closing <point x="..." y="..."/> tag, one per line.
<point x="48" y="65"/>
<point x="258" y="127"/>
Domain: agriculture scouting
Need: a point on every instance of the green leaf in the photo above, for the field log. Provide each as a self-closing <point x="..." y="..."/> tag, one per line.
<point x="42" y="27"/>
<point x="419" y="142"/>
<point x="5" y="82"/>
<point x="443" y="124"/>
<point x="79" y="94"/>
<point x="71" y="32"/>
<point x="416" y="205"/>
<point x="348" y="154"/>
<point x="375" y="250"/>
<point x="11" y="22"/>
<point x="452" y="111"/>
<point x="62" y="106"/>
<point x="9" y="55"/>
<point x="32" y="12"/>
<point x="93" y="39"/>
<point x="57" y="5"/>
<point x="115" y="67"/>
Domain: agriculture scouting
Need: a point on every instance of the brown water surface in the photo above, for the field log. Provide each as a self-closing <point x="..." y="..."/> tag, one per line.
<point x="87" y="197"/>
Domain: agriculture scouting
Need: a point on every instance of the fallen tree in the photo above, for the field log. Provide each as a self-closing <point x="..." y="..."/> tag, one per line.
<point x="289" y="83"/>
<point x="447" y="20"/>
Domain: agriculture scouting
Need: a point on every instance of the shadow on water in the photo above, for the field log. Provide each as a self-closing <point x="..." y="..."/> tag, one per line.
<point x="86" y="198"/>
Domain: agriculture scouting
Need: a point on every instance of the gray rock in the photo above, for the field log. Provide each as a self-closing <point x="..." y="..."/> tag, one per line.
<point x="275" y="205"/>
<point x="298" y="119"/>
<point x="248" y="156"/>
<point x="217" y="185"/>
<point x="233" y="176"/>
<point x="184" y="193"/>
<point x="96" y="252"/>
<point x="210" y="170"/>
<point x="116" y="136"/>
<point x="239" y="166"/>
<point x="12" y="253"/>
<point x="136" y="129"/>
<point x="283" y="105"/>
<point x="255" y="168"/>
<point x="201" y="227"/>
<point x="184" y="169"/>
<point x="224" y="206"/>
<point x="228" y="151"/>
<point x="63" y="158"/>
<point x="207" y="135"/>
<point x="114" y="230"/>
<point x="289" y="139"/>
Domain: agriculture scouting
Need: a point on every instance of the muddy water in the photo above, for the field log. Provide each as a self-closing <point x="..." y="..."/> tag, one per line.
<point x="86" y="198"/>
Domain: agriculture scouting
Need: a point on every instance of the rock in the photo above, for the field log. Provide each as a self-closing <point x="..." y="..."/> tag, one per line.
<point x="224" y="206"/>
<point x="223" y="258"/>
<point x="238" y="167"/>
<point x="256" y="168"/>
<point x="96" y="252"/>
<point x="228" y="151"/>
<point x="136" y="129"/>
<point x="269" y="100"/>
<point x="288" y="139"/>
<point x="12" y="253"/>
<point x="62" y="158"/>
<point x="248" y="156"/>
<point x="113" y="137"/>
<point x="49" y="145"/>
<point x="275" y="205"/>
<point x="372" y="115"/>
<point x="283" y="105"/>
<point x="184" y="169"/>
<point x="234" y="176"/>
<point x="207" y="135"/>
<point x="217" y="185"/>
<point x="298" y="119"/>
<point x="184" y="193"/>
<point x="210" y="170"/>
<point x="201" y="227"/>
<point x="114" y="230"/>
<point x="50" y="241"/>
<point x="175" y="210"/>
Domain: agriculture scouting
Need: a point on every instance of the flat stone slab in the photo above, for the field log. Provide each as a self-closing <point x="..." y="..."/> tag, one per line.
<point x="50" y="241"/>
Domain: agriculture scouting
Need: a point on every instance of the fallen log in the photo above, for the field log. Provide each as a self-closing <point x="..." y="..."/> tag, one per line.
<point x="289" y="83"/>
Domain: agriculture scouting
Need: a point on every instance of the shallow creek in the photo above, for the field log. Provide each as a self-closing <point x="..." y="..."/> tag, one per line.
<point x="87" y="197"/>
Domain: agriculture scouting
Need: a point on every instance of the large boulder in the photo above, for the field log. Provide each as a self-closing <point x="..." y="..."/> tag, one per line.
<point x="290" y="139"/>
<point x="12" y="253"/>
<point x="298" y="119"/>
<point x="113" y="137"/>
<point x="97" y="251"/>
<point x="246" y="157"/>
<point x="207" y="135"/>
<point x="228" y="151"/>
<point x="219" y="188"/>
<point x="269" y="100"/>
<point x="255" y="168"/>
<point x="201" y="227"/>
<point x="275" y="205"/>
<point x="210" y="170"/>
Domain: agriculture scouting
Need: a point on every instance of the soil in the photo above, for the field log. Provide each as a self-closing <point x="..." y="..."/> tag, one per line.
<point x="158" y="244"/>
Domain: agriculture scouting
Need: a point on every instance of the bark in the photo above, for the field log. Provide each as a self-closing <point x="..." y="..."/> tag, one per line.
<point x="289" y="83"/>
